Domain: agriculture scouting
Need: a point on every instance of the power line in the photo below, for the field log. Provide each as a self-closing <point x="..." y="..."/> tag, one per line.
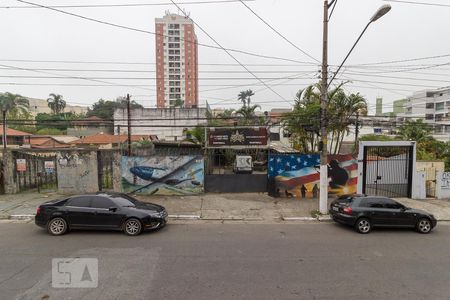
<point x="279" y="34"/>
<point x="231" y="55"/>
<point x="154" y="71"/>
<point x="140" y="78"/>
<point x="418" y="3"/>
<point x="70" y="77"/>
<point x="148" y="63"/>
<point x="153" y="33"/>
<point x="400" y="61"/>
<point x="130" y="4"/>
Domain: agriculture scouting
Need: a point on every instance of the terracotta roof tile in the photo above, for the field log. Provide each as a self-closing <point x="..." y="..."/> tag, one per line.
<point x="13" y="132"/>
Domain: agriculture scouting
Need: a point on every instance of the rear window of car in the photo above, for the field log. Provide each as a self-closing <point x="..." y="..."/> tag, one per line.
<point x="79" y="202"/>
<point x="101" y="202"/>
<point x="345" y="199"/>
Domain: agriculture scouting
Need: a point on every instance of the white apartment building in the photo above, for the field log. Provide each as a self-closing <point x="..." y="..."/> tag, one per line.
<point x="434" y="107"/>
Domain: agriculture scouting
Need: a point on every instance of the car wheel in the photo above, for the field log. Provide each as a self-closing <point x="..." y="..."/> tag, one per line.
<point x="363" y="225"/>
<point x="423" y="225"/>
<point x="132" y="226"/>
<point x="57" y="226"/>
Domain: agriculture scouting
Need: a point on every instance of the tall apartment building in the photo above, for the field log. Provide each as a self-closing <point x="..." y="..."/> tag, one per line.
<point x="176" y="61"/>
<point x="433" y="106"/>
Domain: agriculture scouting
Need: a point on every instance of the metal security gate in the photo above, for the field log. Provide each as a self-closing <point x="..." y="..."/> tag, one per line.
<point x="388" y="170"/>
<point x="35" y="170"/>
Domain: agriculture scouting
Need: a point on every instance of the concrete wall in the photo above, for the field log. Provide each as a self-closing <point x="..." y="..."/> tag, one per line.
<point x="77" y="172"/>
<point x="145" y="121"/>
<point x="443" y="185"/>
<point x="9" y="184"/>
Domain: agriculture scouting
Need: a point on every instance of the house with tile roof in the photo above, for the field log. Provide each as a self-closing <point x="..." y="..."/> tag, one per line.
<point x="15" y="138"/>
<point x="108" y="141"/>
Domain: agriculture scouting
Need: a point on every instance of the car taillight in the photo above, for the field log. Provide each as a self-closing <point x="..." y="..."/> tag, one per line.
<point x="348" y="210"/>
<point x="38" y="210"/>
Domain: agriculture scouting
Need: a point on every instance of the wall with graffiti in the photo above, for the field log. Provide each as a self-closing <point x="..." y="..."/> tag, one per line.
<point x="163" y="175"/>
<point x="297" y="175"/>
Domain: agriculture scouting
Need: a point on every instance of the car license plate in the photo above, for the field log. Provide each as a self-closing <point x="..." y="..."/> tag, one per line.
<point x="335" y="208"/>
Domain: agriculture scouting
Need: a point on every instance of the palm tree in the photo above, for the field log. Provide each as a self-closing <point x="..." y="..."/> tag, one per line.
<point x="56" y="103"/>
<point x="195" y="135"/>
<point x="248" y="115"/>
<point x="242" y="96"/>
<point x="9" y="102"/>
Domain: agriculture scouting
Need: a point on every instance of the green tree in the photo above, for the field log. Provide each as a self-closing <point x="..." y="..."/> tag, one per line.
<point x="415" y="130"/>
<point x="13" y="103"/>
<point x="9" y="102"/>
<point x="105" y="108"/>
<point x="178" y="103"/>
<point x="303" y="123"/>
<point x="196" y="135"/>
<point x="56" y="103"/>
<point x="244" y="97"/>
<point x="21" y="120"/>
<point x="248" y="114"/>
<point x="59" y="121"/>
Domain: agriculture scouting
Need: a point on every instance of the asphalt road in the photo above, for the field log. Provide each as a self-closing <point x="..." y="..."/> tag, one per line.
<point x="233" y="261"/>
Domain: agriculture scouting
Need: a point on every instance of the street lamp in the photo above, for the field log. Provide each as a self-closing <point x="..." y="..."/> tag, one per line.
<point x="323" y="201"/>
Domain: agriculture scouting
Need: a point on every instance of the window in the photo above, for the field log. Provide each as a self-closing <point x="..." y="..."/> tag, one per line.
<point x="429" y="105"/>
<point x="101" y="202"/>
<point x="440" y="106"/>
<point x="391" y="204"/>
<point x="174" y="26"/>
<point x="122" y="202"/>
<point x="80" y="202"/>
<point x="429" y="117"/>
<point x="371" y="202"/>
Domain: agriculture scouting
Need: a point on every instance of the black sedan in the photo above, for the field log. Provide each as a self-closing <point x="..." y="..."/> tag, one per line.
<point x="365" y="212"/>
<point x="100" y="211"/>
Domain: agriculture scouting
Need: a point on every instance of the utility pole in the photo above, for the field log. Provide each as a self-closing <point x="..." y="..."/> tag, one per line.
<point x="129" y="123"/>
<point x="323" y="198"/>
<point x="356" y="130"/>
<point x="4" y="140"/>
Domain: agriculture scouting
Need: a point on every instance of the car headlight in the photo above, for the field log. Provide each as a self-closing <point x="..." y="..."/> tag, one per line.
<point x="160" y="214"/>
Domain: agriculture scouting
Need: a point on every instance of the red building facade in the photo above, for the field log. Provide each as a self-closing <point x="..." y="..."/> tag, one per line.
<point x="176" y="61"/>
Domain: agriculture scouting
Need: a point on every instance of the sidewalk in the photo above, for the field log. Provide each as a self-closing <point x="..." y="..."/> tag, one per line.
<point x="244" y="207"/>
<point x="251" y="207"/>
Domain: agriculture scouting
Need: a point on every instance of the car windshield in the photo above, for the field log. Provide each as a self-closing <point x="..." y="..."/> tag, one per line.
<point x="127" y="197"/>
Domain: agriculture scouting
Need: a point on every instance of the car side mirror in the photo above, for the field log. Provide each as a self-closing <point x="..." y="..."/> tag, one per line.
<point x="113" y="209"/>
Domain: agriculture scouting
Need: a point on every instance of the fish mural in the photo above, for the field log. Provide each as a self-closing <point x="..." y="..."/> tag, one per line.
<point x="163" y="175"/>
<point x="297" y="175"/>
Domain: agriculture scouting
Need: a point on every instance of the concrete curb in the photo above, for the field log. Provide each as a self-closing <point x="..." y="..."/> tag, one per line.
<point x="299" y="219"/>
<point x="184" y="217"/>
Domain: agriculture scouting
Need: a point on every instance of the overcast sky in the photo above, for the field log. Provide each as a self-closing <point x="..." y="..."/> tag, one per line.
<point x="408" y="31"/>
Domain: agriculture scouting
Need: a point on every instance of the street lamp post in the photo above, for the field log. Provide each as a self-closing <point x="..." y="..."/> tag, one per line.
<point x="323" y="201"/>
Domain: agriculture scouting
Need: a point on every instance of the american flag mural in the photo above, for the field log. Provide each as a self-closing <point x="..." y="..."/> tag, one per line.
<point x="297" y="175"/>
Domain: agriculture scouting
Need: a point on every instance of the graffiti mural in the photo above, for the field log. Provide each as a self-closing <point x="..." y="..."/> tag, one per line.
<point x="297" y="175"/>
<point x="163" y="175"/>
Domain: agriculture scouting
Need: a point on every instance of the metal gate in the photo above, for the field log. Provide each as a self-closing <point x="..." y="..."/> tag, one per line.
<point x="105" y="159"/>
<point x="34" y="170"/>
<point x="387" y="170"/>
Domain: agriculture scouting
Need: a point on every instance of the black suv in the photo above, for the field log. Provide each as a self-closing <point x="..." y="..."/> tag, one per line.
<point x="364" y="212"/>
